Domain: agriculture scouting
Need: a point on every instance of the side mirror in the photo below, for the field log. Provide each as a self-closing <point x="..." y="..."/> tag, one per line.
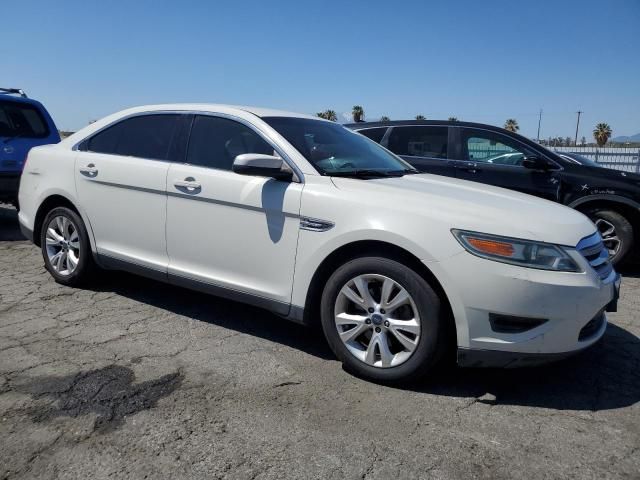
<point x="262" y="166"/>
<point x="533" y="162"/>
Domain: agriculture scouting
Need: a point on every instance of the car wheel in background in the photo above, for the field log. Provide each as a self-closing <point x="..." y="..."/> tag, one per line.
<point x="383" y="320"/>
<point x="616" y="232"/>
<point x="65" y="247"/>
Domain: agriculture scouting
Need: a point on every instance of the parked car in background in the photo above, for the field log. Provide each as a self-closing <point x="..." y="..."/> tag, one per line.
<point x="24" y="124"/>
<point x="494" y="156"/>
<point x="314" y="222"/>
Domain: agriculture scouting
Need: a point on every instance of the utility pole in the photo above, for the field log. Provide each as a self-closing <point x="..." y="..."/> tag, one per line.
<point x="575" y="142"/>
<point x="539" y="121"/>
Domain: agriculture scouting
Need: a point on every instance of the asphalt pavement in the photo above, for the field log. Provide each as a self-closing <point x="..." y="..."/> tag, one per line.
<point x="136" y="379"/>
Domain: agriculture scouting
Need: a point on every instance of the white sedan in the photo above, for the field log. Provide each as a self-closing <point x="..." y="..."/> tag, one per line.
<point x="317" y="223"/>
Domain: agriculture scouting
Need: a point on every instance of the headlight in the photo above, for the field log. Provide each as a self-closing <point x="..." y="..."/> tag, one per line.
<point x="524" y="253"/>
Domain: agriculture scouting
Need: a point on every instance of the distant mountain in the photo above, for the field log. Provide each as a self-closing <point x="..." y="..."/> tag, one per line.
<point x="632" y="139"/>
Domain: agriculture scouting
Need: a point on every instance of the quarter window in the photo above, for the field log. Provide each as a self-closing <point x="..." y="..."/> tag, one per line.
<point x="215" y="142"/>
<point x="495" y="149"/>
<point x="147" y="136"/>
<point x="419" y="141"/>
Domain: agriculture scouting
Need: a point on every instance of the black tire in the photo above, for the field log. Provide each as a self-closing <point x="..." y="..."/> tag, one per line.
<point x="623" y="231"/>
<point x="432" y="341"/>
<point x="85" y="267"/>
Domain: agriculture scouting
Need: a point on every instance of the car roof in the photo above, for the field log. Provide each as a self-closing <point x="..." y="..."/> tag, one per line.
<point x="10" y="97"/>
<point x="218" y="107"/>
<point x="396" y="123"/>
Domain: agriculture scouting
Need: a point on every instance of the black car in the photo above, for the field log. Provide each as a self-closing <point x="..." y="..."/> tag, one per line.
<point x="487" y="154"/>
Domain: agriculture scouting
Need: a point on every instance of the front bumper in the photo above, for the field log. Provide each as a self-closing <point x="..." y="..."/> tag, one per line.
<point x="497" y="359"/>
<point x="560" y="308"/>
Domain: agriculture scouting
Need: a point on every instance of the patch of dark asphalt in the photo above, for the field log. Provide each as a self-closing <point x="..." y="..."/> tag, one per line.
<point x="108" y="392"/>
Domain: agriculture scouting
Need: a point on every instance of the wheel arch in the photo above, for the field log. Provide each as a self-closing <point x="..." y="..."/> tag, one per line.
<point x="49" y="203"/>
<point x="362" y="248"/>
<point x="624" y="206"/>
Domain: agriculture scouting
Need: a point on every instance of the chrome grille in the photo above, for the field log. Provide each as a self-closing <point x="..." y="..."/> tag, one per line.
<point x="596" y="254"/>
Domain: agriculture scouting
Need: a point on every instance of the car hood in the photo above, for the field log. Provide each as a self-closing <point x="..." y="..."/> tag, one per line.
<point x="612" y="174"/>
<point x="452" y="203"/>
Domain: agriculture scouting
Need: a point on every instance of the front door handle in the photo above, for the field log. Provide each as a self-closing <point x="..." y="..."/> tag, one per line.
<point x="470" y="167"/>
<point x="90" y="170"/>
<point x="189" y="184"/>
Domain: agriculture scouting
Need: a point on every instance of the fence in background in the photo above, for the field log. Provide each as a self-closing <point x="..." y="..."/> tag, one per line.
<point x="619" y="158"/>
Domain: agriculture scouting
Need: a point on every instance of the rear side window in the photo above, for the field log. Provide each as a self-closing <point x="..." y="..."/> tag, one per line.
<point x="374" y="134"/>
<point x="419" y="141"/>
<point x="21" y="120"/>
<point x="215" y="142"/>
<point x="147" y="136"/>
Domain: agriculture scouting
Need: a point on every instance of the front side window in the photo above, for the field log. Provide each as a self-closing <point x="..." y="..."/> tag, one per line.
<point x="419" y="141"/>
<point x="335" y="150"/>
<point x="215" y="142"/>
<point x="146" y="136"/>
<point x="21" y="120"/>
<point x="493" y="148"/>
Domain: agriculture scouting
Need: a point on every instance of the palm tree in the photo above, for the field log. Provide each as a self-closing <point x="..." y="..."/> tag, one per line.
<point x="420" y="117"/>
<point x="512" y="125"/>
<point x="328" y="115"/>
<point x="384" y="118"/>
<point x="602" y="133"/>
<point x="583" y="141"/>
<point x="358" y="113"/>
<point x="453" y="119"/>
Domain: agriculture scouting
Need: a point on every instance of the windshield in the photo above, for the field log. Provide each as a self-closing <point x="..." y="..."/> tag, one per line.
<point x="335" y="150"/>
<point x="21" y="120"/>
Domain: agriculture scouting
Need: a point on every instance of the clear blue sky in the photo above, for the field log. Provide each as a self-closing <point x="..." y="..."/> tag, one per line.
<point x="477" y="60"/>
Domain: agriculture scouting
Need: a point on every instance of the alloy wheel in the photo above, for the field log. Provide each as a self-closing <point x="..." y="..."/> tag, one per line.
<point x="377" y="320"/>
<point x="62" y="245"/>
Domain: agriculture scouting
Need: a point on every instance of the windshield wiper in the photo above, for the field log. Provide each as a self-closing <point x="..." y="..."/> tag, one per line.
<point x="368" y="173"/>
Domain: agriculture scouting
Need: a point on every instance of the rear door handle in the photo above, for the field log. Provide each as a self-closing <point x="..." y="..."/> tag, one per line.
<point x="90" y="170"/>
<point x="189" y="184"/>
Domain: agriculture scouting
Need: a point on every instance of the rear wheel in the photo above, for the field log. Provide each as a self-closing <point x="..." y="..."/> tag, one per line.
<point x="383" y="320"/>
<point x="616" y="232"/>
<point x="65" y="247"/>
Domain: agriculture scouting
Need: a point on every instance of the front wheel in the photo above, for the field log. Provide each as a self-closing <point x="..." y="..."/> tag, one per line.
<point x="65" y="247"/>
<point x="383" y="320"/>
<point x="616" y="232"/>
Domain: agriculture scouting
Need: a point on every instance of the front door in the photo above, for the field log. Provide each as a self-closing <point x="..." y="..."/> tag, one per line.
<point x="496" y="159"/>
<point x="229" y="231"/>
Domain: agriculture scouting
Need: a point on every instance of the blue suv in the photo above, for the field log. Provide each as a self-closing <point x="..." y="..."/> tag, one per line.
<point x="24" y="123"/>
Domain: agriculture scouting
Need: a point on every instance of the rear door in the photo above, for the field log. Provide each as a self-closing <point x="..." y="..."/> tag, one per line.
<point x="121" y="175"/>
<point x="424" y="147"/>
<point x="496" y="159"/>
